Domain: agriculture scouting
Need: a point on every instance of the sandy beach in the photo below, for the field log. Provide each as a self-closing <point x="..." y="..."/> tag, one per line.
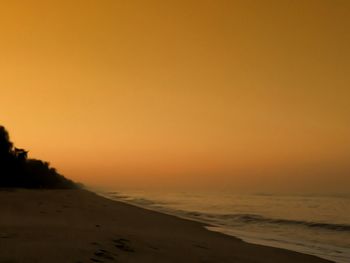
<point x="80" y="226"/>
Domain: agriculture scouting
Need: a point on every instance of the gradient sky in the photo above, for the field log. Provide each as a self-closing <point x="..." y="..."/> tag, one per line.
<point x="245" y="95"/>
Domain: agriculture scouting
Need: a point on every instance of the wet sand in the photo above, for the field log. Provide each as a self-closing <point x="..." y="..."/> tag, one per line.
<point x="80" y="226"/>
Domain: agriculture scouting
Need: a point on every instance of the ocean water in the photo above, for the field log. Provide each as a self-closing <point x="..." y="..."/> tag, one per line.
<point x="317" y="225"/>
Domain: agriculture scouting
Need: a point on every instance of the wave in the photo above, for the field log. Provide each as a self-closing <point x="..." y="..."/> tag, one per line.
<point x="254" y="227"/>
<point x="258" y="219"/>
<point x="135" y="200"/>
<point x="231" y="218"/>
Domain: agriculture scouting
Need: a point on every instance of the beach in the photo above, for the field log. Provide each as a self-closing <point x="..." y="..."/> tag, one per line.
<point x="80" y="226"/>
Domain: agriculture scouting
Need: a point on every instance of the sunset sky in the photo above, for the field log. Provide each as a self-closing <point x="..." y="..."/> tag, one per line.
<point x="245" y="95"/>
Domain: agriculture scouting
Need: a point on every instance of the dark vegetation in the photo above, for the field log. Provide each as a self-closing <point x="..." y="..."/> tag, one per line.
<point x="17" y="171"/>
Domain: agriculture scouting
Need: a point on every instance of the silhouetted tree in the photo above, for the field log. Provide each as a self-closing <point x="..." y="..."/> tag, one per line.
<point x="5" y="144"/>
<point x="21" y="154"/>
<point x="16" y="170"/>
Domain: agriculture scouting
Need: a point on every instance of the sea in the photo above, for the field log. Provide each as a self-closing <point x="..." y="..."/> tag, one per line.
<point x="311" y="224"/>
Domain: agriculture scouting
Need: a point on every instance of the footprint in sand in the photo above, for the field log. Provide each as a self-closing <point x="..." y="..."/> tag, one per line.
<point x="5" y="236"/>
<point x="123" y="244"/>
<point x="153" y="247"/>
<point x="200" y="246"/>
<point x="101" y="254"/>
<point x="104" y="254"/>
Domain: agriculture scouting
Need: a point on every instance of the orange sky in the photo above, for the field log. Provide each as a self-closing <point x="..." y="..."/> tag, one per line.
<point x="243" y="94"/>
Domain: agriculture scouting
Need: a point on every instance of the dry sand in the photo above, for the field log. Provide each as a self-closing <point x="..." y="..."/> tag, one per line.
<point x="79" y="226"/>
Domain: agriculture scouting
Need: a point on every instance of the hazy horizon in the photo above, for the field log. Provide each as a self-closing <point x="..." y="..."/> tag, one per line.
<point x="251" y="96"/>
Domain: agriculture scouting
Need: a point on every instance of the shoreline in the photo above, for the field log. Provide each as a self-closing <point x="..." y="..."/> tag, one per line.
<point x="245" y="236"/>
<point x="82" y="226"/>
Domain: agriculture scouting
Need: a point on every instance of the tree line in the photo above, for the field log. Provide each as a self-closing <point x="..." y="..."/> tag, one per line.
<point x="18" y="171"/>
